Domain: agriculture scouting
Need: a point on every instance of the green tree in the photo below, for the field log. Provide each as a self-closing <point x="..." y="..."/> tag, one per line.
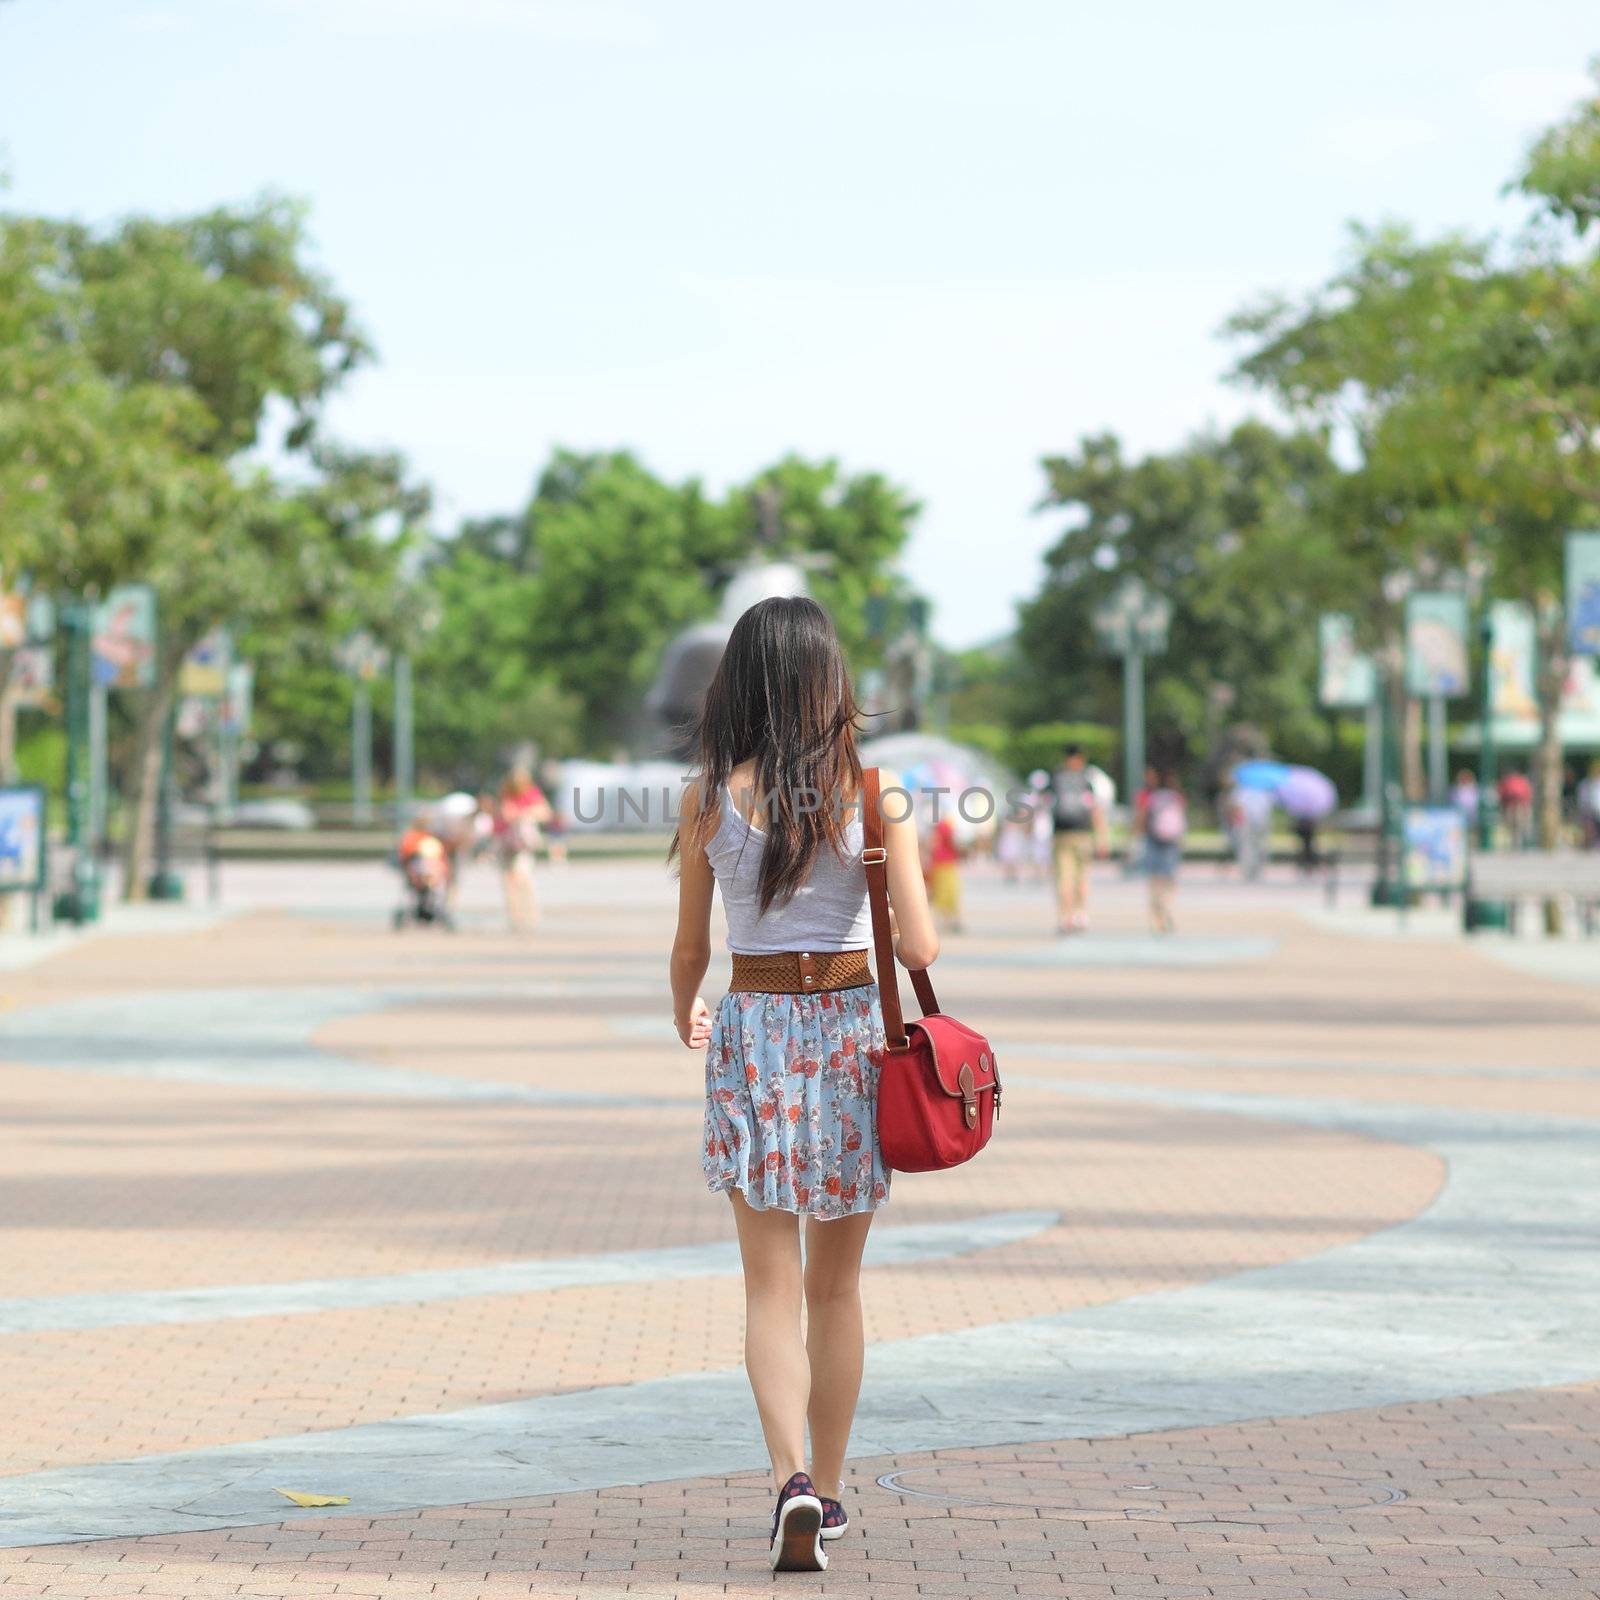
<point x="485" y="681"/>
<point x="850" y="527"/>
<point x="607" y="562"/>
<point x="1361" y="357"/>
<point x="359" y="521"/>
<point x="165" y="348"/>
<point x="1468" y="375"/>
<point x="1219" y="528"/>
<point x="623" y="561"/>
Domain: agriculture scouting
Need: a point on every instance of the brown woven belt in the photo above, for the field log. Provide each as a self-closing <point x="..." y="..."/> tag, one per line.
<point x="801" y="971"/>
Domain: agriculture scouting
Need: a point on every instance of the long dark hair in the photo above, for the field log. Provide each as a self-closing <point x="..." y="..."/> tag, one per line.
<point x="781" y="697"/>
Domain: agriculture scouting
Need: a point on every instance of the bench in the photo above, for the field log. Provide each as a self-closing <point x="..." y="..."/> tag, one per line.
<point x="1517" y="875"/>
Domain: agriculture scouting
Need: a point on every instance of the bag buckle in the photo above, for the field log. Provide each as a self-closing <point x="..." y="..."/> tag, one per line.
<point x="875" y="856"/>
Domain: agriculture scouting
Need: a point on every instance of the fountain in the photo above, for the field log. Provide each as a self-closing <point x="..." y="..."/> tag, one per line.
<point x="690" y="660"/>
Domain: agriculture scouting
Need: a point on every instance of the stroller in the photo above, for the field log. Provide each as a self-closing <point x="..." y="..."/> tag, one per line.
<point x="425" y="870"/>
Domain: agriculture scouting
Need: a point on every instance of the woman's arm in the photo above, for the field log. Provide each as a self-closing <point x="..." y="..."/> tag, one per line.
<point x="691" y="948"/>
<point x="916" y="941"/>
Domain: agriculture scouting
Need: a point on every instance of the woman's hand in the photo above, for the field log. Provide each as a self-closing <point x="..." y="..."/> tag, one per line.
<point x="695" y="1029"/>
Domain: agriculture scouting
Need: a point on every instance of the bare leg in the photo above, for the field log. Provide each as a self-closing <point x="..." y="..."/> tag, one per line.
<point x="527" y="903"/>
<point x="521" y="906"/>
<point x="774" y="1354"/>
<point x="834" y="1340"/>
<point x="1161" y="904"/>
<point x="1066" y="886"/>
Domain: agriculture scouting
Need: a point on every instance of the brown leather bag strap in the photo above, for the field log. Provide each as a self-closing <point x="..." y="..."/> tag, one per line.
<point x="875" y="858"/>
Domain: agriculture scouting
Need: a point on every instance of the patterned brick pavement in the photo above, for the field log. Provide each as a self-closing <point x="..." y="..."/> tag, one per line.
<point x="133" y="1183"/>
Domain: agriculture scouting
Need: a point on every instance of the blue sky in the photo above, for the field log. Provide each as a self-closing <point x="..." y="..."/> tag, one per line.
<point x="938" y="239"/>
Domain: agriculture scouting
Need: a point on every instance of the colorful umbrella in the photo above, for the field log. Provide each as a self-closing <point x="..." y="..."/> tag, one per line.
<point x="1261" y="774"/>
<point x="927" y="762"/>
<point x="1307" y="794"/>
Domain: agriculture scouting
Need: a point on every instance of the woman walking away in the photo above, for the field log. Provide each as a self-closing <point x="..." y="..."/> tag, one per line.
<point x="794" y="1049"/>
<point x="521" y="808"/>
<point x="1164" y="815"/>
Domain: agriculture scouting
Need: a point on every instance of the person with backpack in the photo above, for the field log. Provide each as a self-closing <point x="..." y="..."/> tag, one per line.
<point x="1162" y="819"/>
<point x="1080" y="832"/>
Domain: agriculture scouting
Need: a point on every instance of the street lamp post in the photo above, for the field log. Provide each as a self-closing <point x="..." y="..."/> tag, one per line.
<point x="166" y="882"/>
<point x="1133" y="623"/>
<point x="361" y="752"/>
<point x="405" y="758"/>
<point x="363" y="658"/>
<point x="1389" y="887"/>
<point x="1486" y="913"/>
<point x="81" y="902"/>
<point x="1132" y="720"/>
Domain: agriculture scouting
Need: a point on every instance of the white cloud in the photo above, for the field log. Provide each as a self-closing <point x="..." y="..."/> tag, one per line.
<point x="1530" y="100"/>
<point x="1376" y="137"/>
<point x="608" y="22"/>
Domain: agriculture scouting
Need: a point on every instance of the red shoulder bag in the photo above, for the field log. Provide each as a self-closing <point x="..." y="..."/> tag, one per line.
<point x="938" y="1092"/>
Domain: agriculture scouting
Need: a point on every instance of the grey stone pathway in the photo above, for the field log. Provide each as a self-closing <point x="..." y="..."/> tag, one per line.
<point x="887" y="1246"/>
<point x="1494" y="1287"/>
<point x="261" y="1039"/>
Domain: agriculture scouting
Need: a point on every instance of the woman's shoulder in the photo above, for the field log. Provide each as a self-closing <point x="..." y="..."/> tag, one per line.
<point x="703" y="809"/>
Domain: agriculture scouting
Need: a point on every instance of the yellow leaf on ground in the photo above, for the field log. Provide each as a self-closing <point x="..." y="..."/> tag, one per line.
<point x="301" y="1499"/>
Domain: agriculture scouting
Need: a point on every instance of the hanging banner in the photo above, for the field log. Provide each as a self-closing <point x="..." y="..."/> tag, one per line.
<point x="237" y="702"/>
<point x="204" y="672"/>
<point x="194" y="717"/>
<point x="25" y="617"/>
<point x="1513" y="659"/>
<point x="21" y="839"/>
<point x="1583" y="594"/>
<point x="1435" y="848"/>
<point x="1436" y="645"/>
<point x="123" y="638"/>
<point x="1346" y="676"/>
<point x="32" y="676"/>
<point x="41" y="618"/>
<point x="1580" y="694"/>
<point x="13" y="619"/>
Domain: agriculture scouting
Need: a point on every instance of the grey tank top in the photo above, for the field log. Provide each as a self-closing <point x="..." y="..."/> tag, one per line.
<point x="828" y="912"/>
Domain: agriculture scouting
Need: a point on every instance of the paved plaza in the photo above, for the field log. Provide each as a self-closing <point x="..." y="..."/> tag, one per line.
<point x="1280" y="1278"/>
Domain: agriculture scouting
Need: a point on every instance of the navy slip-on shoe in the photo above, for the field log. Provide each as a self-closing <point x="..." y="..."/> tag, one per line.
<point x="797" y="1528"/>
<point x="835" y="1520"/>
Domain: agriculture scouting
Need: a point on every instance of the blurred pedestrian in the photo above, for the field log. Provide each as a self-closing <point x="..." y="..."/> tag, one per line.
<point x="1141" y="800"/>
<point x="1516" y="807"/>
<point x="1014" y="844"/>
<point x="1252" y="829"/>
<point x="794" y="1050"/>
<point x="1162" y="820"/>
<point x="454" y="821"/>
<point x="519" y="811"/>
<point x="1080" y="832"/>
<point x="1305" y="830"/>
<point x="1464" y="797"/>
<point x="1044" y="835"/>
<point x="1588" y="804"/>
<point x="943" y="874"/>
<point x="426" y="871"/>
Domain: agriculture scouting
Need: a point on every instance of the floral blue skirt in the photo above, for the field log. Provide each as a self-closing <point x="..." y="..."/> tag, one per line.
<point x="792" y="1101"/>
